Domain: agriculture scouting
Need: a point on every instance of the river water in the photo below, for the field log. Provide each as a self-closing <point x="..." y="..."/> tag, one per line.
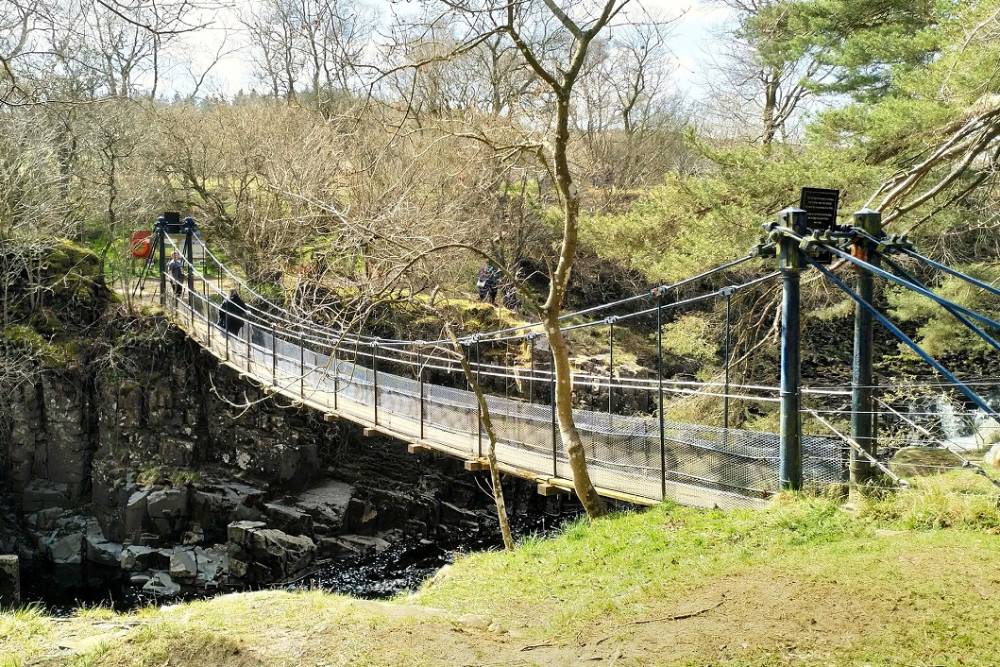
<point x="403" y="566"/>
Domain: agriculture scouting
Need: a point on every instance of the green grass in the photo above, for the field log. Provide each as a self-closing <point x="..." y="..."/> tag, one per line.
<point x="911" y="578"/>
<point x="155" y="473"/>
<point x="23" y="634"/>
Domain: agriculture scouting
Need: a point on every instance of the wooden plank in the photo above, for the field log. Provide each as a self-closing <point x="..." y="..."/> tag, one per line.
<point x="546" y="489"/>
<point x="476" y="465"/>
<point x="417" y="448"/>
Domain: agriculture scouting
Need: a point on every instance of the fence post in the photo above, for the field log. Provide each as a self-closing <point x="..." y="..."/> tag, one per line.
<point x="552" y="401"/>
<point x="725" y="399"/>
<point x="531" y="377"/>
<point x="659" y="383"/>
<point x="421" y="408"/>
<point x="274" y="355"/>
<point x="863" y="425"/>
<point x="189" y="227"/>
<point x="336" y="371"/>
<point x="790" y="264"/>
<point x="249" y="328"/>
<point x="375" y="376"/>
<point x="302" y="364"/>
<point x="161" y="226"/>
<point x="479" y="408"/>
<point x="611" y="370"/>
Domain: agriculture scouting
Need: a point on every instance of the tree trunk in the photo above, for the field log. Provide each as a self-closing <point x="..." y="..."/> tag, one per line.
<point x="585" y="491"/>
<point x="491" y="455"/>
<point x="770" y="126"/>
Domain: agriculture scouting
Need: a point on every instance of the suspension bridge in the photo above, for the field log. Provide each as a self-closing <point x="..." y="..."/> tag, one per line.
<point x="415" y="390"/>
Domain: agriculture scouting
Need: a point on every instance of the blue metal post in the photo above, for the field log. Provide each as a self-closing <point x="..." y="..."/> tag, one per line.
<point x="189" y="228"/>
<point x="790" y="263"/>
<point x="186" y="252"/>
<point x="862" y="376"/>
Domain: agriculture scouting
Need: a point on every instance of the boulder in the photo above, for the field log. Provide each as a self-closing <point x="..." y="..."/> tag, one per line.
<point x="194" y="535"/>
<point x="238" y="531"/>
<point x="361" y="545"/>
<point x="139" y="579"/>
<point x="10" y="581"/>
<point x="99" y="549"/>
<point x="176" y="452"/>
<point x="161" y="584"/>
<point x="289" y="519"/>
<point x="64" y="549"/>
<point x="135" y="513"/>
<point x="138" y="557"/>
<point x="168" y="510"/>
<point x="326" y="503"/>
<point x="183" y="564"/>
<point x="40" y="494"/>
<point x="263" y="555"/>
<point x="213" y="564"/>
<point x="923" y="461"/>
<point x="44" y="520"/>
<point x="198" y="566"/>
<point x="215" y="505"/>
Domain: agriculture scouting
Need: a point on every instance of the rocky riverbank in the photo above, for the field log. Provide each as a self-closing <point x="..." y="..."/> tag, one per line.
<point x="172" y="475"/>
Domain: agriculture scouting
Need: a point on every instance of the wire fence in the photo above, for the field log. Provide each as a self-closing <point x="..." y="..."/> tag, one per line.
<point x="628" y="455"/>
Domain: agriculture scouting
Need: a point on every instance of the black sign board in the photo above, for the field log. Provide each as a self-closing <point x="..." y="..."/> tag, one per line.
<point x="821" y="206"/>
<point x="173" y="221"/>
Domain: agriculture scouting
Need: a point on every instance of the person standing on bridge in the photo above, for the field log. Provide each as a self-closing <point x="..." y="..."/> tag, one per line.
<point x="233" y="313"/>
<point x="175" y="269"/>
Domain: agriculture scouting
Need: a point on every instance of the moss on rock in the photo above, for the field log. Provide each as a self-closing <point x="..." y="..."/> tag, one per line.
<point x="51" y="353"/>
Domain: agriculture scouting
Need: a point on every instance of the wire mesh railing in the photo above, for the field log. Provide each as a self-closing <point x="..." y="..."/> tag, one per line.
<point x="627" y="455"/>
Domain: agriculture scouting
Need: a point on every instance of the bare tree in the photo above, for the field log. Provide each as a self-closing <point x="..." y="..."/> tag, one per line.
<point x="764" y="70"/>
<point x="81" y="50"/>
<point x="626" y="113"/>
<point x="308" y="45"/>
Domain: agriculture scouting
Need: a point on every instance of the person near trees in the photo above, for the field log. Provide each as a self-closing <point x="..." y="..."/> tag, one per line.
<point x="487" y="283"/>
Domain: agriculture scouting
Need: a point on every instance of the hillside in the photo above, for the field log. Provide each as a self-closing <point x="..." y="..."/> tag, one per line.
<point x="912" y="578"/>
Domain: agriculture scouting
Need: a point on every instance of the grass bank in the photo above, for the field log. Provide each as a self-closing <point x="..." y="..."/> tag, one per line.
<point x="911" y="578"/>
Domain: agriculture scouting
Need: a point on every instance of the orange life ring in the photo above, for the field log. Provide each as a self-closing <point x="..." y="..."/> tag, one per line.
<point x="142" y="244"/>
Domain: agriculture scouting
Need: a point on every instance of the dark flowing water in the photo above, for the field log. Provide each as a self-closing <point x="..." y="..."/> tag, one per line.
<point x="403" y="566"/>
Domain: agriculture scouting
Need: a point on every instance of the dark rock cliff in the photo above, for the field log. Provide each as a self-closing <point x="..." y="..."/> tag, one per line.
<point x="153" y="462"/>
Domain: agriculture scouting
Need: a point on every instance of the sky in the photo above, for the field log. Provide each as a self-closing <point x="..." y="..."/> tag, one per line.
<point x="691" y="43"/>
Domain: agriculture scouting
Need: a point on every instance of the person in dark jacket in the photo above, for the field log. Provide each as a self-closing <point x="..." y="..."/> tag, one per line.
<point x="233" y="313"/>
<point x="486" y="283"/>
<point x="175" y="269"/>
